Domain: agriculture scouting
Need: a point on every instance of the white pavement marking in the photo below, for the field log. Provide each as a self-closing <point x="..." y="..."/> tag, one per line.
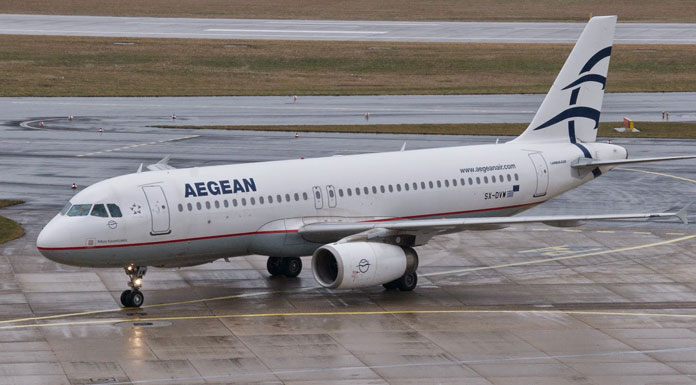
<point x="138" y="145"/>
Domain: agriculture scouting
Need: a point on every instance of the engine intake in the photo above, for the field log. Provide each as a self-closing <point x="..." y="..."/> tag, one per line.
<point x="355" y="265"/>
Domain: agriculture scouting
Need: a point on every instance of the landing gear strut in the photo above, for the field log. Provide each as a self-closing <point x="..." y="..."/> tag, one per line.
<point x="290" y="266"/>
<point x="133" y="297"/>
<point x="409" y="280"/>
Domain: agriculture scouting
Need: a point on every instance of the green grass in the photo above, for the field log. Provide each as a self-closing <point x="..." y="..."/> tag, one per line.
<point x="9" y="229"/>
<point x="677" y="130"/>
<point x="450" y="10"/>
<point x="94" y="66"/>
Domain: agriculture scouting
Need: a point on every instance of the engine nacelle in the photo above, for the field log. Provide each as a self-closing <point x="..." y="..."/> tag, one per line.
<point x="355" y="265"/>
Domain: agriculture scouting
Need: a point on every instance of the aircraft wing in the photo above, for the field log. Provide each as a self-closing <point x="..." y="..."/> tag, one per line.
<point x="161" y="165"/>
<point x="427" y="228"/>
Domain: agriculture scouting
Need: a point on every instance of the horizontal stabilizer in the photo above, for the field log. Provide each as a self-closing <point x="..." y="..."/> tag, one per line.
<point x="588" y="163"/>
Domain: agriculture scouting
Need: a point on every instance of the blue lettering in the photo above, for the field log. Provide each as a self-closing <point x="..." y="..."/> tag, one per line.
<point x="225" y="184"/>
<point x="238" y="186"/>
<point x="189" y="191"/>
<point x="200" y="188"/>
<point x="249" y="184"/>
<point x="213" y="188"/>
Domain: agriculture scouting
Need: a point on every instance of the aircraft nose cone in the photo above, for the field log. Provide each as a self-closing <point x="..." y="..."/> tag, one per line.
<point x="44" y="240"/>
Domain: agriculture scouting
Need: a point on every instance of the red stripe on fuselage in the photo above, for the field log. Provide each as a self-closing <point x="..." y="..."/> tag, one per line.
<point x="278" y="231"/>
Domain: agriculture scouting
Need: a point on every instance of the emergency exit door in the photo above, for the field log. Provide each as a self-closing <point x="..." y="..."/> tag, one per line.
<point x="318" y="199"/>
<point x="159" y="209"/>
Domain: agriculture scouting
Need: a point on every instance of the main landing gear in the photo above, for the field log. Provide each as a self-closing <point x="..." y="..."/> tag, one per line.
<point x="289" y="266"/>
<point x="407" y="282"/>
<point x="133" y="297"/>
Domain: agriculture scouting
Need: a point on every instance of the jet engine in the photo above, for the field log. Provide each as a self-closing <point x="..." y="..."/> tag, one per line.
<point x="353" y="265"/>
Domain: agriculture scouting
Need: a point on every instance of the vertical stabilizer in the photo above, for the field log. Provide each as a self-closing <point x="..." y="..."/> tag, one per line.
<point x="570" y="111"/>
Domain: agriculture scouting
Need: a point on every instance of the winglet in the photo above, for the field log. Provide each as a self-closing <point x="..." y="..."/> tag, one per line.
<point x="403" y="147"/>
<point x="161" y="165"/>
<point x="681" y="214"/>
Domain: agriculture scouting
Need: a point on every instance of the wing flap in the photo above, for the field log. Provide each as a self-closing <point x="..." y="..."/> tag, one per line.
<point x="589" y="163"/>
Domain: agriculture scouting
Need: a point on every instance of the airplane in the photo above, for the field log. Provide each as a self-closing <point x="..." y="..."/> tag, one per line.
<point x="359" y="216"/>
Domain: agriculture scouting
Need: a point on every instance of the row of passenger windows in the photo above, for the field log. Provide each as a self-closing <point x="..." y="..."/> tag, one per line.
<point x="350" y="191"/>
<point x="98" y="210"/>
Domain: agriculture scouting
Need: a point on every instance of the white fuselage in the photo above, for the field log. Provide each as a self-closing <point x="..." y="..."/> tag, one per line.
<point x="190" y="216"/>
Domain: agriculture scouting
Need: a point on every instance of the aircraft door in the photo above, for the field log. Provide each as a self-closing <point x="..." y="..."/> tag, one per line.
<point x="331" y="192"/>
<point x="159" y="209"/>
<point x="542" y="173"/>
<point x="318" y="199"/>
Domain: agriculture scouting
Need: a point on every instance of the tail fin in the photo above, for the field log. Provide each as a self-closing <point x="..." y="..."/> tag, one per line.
<point x="570" y="111"/>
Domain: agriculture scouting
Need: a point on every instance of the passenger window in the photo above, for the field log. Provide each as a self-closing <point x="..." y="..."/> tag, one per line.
<point x="462" y="181"/>
<point x="181" y="207"/>
<point x="317" y="194"/>
<point x="340" y="192"/>
<point x="500" y="178"/>
<point x="478" y="180"/>
<point x="226" y="203"/>
<point x="439" y="184"/>
<point x="234" y="202"/>
<point x="297" y="197"/>
<point x="493" y="178"/>
<point x="391" y="188"/>
<point x="260" y="200"/>
<point x="398" y="187"/>
<point x="366" y="190"/>
<point x="305" y="196"/>
<point x="99" y="211"/>
<point x="65" y="209"/>
<point x="357" y="191"/>
<point x="381" y="188"/>
<point x="279" y="199"/>
<point x="471" y="181"/>
<point x="430" y="184"/>
<point x="252" y="201"/>
<point x="349" y="191"/>
<point x="114" y="210"/>
<point x="217" y="204"/>
<point x="189" y="206"/>
<point x="454" y="182"/>
<point x="270" y="199"/>
<point x="374" y="190"/>
<point x="415" y="186"/>
<point x="198" y="205"/>
<point x="517" y="177"/>
<point x="509" y="178"/>
<point x="485" y="179"/>
<point x="446" y="183"/>
<point x="422" y="185"/>
<point x="243" y="201"/>
<point x="207" y="205"/>
<point x="79" y="210"/>
<point x="331" y="193"/>
<point x="406" y="186"/>
<point x="287" y="197"/>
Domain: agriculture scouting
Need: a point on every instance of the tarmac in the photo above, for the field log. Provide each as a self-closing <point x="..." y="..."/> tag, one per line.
<point x="124" y="114"/>
<point x="604" y="303"/>
<point x="339" y="30"/>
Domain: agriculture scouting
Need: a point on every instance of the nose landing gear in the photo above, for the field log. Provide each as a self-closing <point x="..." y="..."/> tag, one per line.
<point x="133" y="297"/>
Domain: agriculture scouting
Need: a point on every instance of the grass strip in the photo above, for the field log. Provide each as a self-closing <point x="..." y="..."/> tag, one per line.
<point x="676" y="130"/>
<point x="9" y="229"/>
<point x="449" y="10"/>
<point x="96" y="66"/>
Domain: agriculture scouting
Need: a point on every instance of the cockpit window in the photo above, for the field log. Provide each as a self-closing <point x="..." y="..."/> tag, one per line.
<point x="79" y="210"/>
<point x="65" y="209"/>
<point x="99" y="211"/>
<point x="114" y="210"/>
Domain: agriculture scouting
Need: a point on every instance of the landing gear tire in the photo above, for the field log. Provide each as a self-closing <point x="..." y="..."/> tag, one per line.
<point x="390" y="285"/>
<point x="132" y="298"/>
<point x="274" y="265"/>
<point x="124" y="297"/>
<point x="292" y="267"/>
<point x="407" y="282"/>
